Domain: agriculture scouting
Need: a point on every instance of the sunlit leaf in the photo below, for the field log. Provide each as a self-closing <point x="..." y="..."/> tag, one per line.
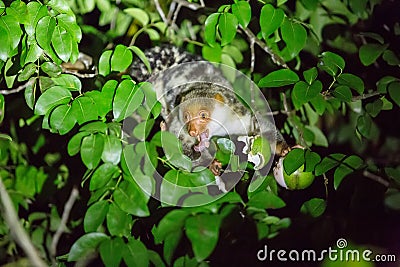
<point x="86" y="245"/>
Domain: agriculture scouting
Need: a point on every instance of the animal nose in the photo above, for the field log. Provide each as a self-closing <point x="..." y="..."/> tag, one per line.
<point x="193" y="132"/>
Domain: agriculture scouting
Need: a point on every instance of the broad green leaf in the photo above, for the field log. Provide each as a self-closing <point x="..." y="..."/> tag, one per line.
<point x="302" y="92"/>
<point x="86" y="245"/>
<point x="111" y="251"/>
<point x="138" y="14"/>
<point x="27" y="72"/>
<point x="270" y="20"/>
<point x="36" y="11"/>
<point x="70" y="25"/>
<point x="52" y="69"/>
<point x="394" y="92"/>
<point x="242" y="11"/>
<point x="369" y="53"/>
<point x="84" y="109"/>
<point x="203" y="232"/>
<point x="311" y="160"/>
<point x="331" y="63"/>
<point x="314" y="207"/>
<point x="328" y="163"/>
<point x="127" y="99"/>
<point x="171" y="242"/>
<point x="112" y="149"/>
<point x="319" y="137"/>
<point x="62" y="119"/>
<point x="44" y="33"/>
<point x="61" y="6"/>
<point x="352" y="81"/>
<point x="11" y="25"/>
<point x="74" y="144"/>
<point x="293" y="160"/>
<point x="51" y="98"/>
<point x="34" y="53"/>
<point x="94" y="127"/>
<point x="121" y="58"/>
<point x="210" y="30"/>
<point x="62" y="43"/>
<point x="349" y="165"/>
<point x="392" y="200"/>
<point x="343" y="93"/>
<point x="226" y="145"/>
<point x="279" y="78"/>
<point x="173" y="188"/>
<point x="173" y="151"/>
<point x="103" y="174"/>
<point x="364" y="125"/>
<point x="119" y="223"/>
<point x="142" y="130"/>
<point x="310" y="4"/>
<point x="135" y="253"/>
<point x="390" y="57"/>
<point x="212" y="54"/>
<point x="2" y="108"/>
<point x="69" y="81"/>
<point x="155" y="258"/>
<point x="374" y="108"/>
<point x="234" y="52"/>
<point x="266" y="200"/>
<point x="138" y="52"/>
<point x="173" y="221"/>
<point x="5" y="45"/>
<point x="91" y="150"/>
<point x="131" y="199"/>
<point x="227" y="24"/>
<point x="95" y="216"/>
<point x="310" y="75"/>
<point x="105" y="63"/>
<point x="384" y="82"/>
<point x="294" y="35"/>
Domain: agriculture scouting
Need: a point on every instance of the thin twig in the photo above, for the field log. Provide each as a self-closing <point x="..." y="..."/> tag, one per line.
<point x="252" y="63"/>
<point x="290" y="115"/>
<point x="355" y="98"/>
<point x="160" y="12"/>
<point x="20" y="236"/>
<point x="252" y="38"/>
<point x="63" y="224"/>
<point x="192" y="6"/>
<point x="18" y="89"/>
<point x="376" y="178"/>
<point x="175" y="16"/>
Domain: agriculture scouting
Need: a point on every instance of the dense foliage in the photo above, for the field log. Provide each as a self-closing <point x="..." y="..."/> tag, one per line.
<point x="329" y="69"/>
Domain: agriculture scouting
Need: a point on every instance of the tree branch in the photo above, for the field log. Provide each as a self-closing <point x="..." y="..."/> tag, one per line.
<point x="376" y="178"/>
<point x="64" y="218"/>
<point x="18" y="89"/>
<point x="252" y="38"/>
<point x="161" y="12"/>
<point x="20" y="236"/>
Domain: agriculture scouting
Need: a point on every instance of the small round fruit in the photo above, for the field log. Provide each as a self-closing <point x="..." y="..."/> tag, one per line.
<point x="297" y="180"/>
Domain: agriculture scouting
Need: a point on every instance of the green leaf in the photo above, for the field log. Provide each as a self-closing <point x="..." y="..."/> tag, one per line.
<point x="266" y="200"/>
<point x="94" y="127"/>
<point x="62" y="119"/>
<point x="14" y="32"/>
<point x="27" y="72"/>
<point x="112" y="149"/>
<point x="203" y="232"/>
<point x="44" y="33"/>
<point x="173" y="151"/>
<point x="328" y="163"/>
<point x="51" y="98"/>
<point x="294" y="35"/>
<point x="62" y="43"/>
<point x="173" y="221"/>
<point x="127" y="99"/>
<point x="86" y="245"/>
<point x="91" y="150"/>
<point x="374" y="108"/>
<point x="142" y="130"/>
<point x="352" y="81"/>
<point x="369" y="53"/>
<point x="228" y="24"/>
<point x="2" y="108"/>
<point x="331" y="63"/>
<point x="119" y="223"/>
<point x="394" y="92"/>
<point x="138" y="14"/>
<point x="111" y="251"/>
<point x="348" y="166"/>
<point x="74" y="145"/>
<point x="155" y="259"/>
<point x="364" y="125"/>
<point x="384" y="82"/>
<point x="52" y="69"/>
<point x="69" y="24"/>
<point x="131" y="199"/>
<point x="212" y="54"/>
<point x="136" y="254"/>
<point x="270" y="20"/>
<point x="138" y="52"/>
<point x="390" y="57"/>
<point x="343" y="93"/>
<point x="36" y="11"/>
<point x="121" y="58"/>
<point x="314" y="207"/>
<point x="319" y="137"/>
<point x="242" y="11"/>
<point x="5" y="45"/>
<point x="105" y="63"/>
<point x="170" y="244"/>
<point x="392" y="200"/>
<point x="311" y="160"/>
<point x="302" y="92"/>
<point x="293" y="160"/>
<point x="84" y="109"/>
<point x="69" y="81"/>
<point x="95" y="216"/>
<point x="103" y="174"/>
<point x="310" y="75"/>
<point x="210" y="30"/>
<point x="279" y="78"/>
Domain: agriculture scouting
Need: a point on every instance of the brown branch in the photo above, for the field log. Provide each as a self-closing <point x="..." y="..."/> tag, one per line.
<point x="17" y="232"/>
<point x="64" y="218"/>
<point x="376" y="178"/>
<point x="355" y="98"/>
<point x="252" y="38"/>
<point x="18" y="89"/>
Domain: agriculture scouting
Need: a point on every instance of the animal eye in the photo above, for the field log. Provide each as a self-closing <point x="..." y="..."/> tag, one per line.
<point x="203" y="114"/>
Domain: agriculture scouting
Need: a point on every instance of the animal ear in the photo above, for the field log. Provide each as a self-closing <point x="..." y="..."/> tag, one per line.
<point x="219" y="98"/>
